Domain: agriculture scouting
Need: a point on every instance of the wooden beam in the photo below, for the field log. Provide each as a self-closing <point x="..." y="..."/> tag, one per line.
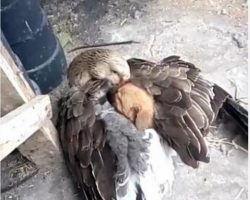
<point x="18" y="125"/>
<point x="15" y="75"/>
<point x="50" y="133"/>
<point x="10" y="99"/>
<point x="24" y="90"/>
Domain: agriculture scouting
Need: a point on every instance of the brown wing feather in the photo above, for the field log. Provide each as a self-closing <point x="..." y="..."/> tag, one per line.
<point x="183" y="110"/>
<point x="83" y="139"/>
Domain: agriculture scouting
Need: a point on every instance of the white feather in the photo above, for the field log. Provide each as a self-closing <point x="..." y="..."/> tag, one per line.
<point x="132" y="191"/>
<point x="158" y="179"/>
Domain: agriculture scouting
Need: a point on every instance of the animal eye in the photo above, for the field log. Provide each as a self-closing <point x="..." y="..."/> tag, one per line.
<point x="115" y="72"/>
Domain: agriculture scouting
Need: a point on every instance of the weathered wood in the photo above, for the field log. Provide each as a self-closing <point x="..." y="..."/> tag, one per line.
<point x="18" y="125"/>
<point x="10" y="99"/>
<point x="50" y="132"/>
<point x="18" y="84"/>
<point x="15" y="75"/>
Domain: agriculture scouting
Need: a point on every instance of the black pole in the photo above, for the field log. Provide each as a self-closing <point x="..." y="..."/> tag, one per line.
<point x="26" y="28"/>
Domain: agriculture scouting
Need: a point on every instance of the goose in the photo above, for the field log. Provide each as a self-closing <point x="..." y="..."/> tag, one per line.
<point x="121" y="121"/>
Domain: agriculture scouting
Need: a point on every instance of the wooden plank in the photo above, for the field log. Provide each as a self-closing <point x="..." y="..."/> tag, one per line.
<point x="24" y="90"/>
<point x="15" y="75"/>
<point x="50" y="132"/>
<point x="10" y="99"/>
<point x="18" y="125"/>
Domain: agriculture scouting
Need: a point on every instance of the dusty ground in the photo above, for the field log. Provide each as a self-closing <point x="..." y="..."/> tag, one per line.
<point x="209" y="33"/>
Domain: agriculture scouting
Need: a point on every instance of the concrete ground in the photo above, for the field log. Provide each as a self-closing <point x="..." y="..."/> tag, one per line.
<point x="209" y="33"/>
